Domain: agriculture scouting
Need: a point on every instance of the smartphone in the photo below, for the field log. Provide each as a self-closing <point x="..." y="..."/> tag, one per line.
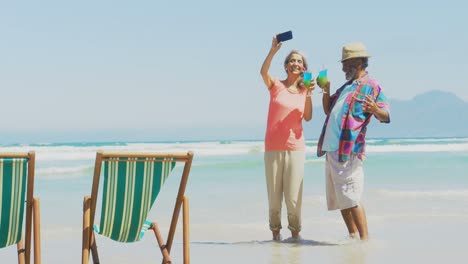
<point x="284" y="36"/>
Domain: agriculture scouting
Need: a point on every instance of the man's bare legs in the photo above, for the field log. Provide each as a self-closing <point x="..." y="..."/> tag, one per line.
<point x="355" y="220"/>
<point x="349" y="221"/>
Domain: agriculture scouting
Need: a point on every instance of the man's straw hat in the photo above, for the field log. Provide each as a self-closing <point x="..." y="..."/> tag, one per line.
<point x="354" y="50"/>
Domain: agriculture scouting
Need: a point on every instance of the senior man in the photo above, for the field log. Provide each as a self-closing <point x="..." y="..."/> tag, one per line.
<point x="349" y="111"/>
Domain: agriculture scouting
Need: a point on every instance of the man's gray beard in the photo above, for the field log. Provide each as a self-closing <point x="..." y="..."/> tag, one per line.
<point x="350" y="75"/>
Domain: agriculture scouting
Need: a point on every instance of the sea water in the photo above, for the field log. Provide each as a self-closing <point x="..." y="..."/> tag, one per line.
<point x="416" y="199"/>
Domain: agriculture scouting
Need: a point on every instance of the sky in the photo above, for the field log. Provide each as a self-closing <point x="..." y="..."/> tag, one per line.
<point x="186" y="70"/>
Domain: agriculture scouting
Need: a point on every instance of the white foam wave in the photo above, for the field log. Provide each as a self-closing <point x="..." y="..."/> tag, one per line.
<point x="440" y="194"/>
<point x="418" y="148"/>
<point x="372" y="141"/>
<point x="416" y="140"/>
<point x="62" y="172"/>
<point x="87" y="153"/>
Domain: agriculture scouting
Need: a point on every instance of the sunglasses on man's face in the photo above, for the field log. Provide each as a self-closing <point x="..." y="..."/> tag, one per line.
<point x="352" y="63"/>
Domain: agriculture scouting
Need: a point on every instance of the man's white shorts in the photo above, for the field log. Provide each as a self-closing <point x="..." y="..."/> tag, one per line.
<point x="344" y="181"/>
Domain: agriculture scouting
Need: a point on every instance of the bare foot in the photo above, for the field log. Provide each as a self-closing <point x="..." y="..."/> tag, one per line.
<point x="295" y="234"/>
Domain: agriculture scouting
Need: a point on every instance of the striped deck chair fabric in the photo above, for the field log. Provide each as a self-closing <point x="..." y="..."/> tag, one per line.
<point x="130" y="187"/>
<point x="13" y="175"/>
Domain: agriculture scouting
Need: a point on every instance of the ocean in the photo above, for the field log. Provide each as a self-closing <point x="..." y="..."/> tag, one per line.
<point x="415" y="195"/>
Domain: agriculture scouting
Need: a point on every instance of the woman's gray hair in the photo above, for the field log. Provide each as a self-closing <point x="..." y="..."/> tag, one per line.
<point x="304" y="59"/>
<point x="304" y="63"/>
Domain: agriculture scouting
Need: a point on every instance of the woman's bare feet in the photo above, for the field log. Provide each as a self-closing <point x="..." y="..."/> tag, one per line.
<point x="295" y="235"/>
<point x="276" y="235"/>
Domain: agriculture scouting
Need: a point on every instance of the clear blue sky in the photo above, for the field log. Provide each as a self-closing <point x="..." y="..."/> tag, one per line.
<point x="143" y="70"/>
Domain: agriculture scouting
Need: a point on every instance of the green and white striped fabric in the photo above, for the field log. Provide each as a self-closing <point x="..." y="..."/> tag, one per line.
<point x="12" y="199"/>
<point x="129" y="190"/>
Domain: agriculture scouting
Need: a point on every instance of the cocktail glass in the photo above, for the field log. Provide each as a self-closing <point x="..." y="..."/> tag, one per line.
<point x="322" y="78"/>
<point x="307" y="76"/>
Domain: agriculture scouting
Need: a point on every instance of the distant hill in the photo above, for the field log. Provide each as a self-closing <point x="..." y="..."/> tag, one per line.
<point x="432" y="114"/>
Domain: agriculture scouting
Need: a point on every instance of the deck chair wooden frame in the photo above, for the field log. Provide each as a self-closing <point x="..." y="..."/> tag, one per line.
<point x="32" y="211"/>
<point x="89" y="246"/>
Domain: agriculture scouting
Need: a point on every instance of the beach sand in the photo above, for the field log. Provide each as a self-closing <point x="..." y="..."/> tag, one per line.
<point x="415" y="241"/>
<point x="425" y="237"/>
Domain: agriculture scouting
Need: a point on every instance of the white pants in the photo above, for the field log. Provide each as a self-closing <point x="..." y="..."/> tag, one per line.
<point x="284" y="175"/>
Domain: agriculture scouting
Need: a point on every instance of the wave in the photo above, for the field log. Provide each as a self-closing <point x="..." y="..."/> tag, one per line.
<point x="420" y="140"/>
<point x="85" y="151"/>
<point x="440" y="194"/>
<point x="47" y="152"/>
<point x="63" y="172"/>
<point x="418" y="148"/>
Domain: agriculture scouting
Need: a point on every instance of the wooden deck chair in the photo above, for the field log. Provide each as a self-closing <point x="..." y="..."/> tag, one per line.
<point x="131" y="183"/>
<point x="16" y="182"/>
